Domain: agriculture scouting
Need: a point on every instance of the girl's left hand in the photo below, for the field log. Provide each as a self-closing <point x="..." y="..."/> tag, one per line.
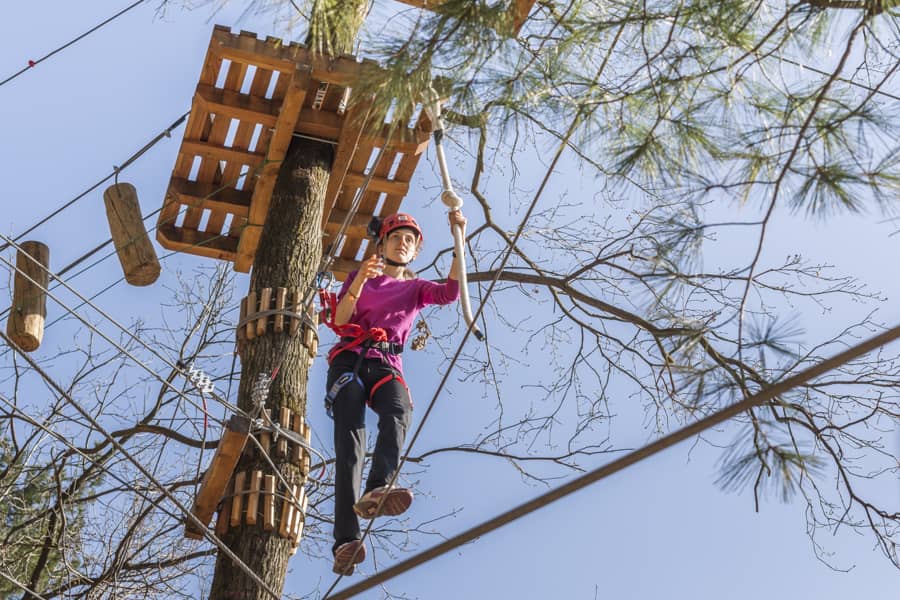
<point x="456" y="217"/>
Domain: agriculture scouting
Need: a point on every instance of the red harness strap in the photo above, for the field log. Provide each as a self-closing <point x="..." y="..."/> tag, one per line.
<point x="349" y="330"/>
<point x="383" y="381"/>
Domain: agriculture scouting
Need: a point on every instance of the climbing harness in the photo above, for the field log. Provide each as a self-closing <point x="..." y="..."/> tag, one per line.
<point x="451" y="199"/>
<point x="353" y="336"/>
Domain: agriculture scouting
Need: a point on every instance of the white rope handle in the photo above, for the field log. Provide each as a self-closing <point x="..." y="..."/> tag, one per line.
<point x="453" y="202"/>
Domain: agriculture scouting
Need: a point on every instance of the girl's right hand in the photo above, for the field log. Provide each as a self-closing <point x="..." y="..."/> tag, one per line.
<point x="370" y="268"/>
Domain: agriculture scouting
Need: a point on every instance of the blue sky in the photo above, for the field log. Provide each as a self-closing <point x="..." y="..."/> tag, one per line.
<point x="659" y="529"/>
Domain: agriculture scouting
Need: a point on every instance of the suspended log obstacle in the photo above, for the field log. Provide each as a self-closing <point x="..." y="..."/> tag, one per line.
<point x="256" y="499"/>
<point x="136" y="253"/>
<point x="217" y="476"/>
<point x="269" y="311"/>
<point x="25" y="325"/>
<point x="253" y="96"/>
<point x="518" y="9"/>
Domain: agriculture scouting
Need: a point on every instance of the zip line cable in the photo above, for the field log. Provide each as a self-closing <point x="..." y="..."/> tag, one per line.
<point x="114" y="175"/>
<point x="34" y="63"/>
<point x="630" y="459"/>
<point x="140" y="467"/>
<point x="471" y="326"/>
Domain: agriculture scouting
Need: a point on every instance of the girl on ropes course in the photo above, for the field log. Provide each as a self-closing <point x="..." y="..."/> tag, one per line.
<point x="373" y="314"/>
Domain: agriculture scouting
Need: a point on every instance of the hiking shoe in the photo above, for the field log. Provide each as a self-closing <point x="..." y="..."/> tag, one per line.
<point x="347" y="556"/>
<point x="396" y="501"/>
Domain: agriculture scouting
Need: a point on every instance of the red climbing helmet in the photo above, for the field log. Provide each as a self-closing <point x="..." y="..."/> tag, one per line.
<point x="395" y="221"/>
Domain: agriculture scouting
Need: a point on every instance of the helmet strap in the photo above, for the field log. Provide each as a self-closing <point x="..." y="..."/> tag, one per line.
<point x="393" y="263"/>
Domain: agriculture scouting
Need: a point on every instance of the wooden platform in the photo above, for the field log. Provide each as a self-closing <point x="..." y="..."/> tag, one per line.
<point x="519" y="9"/>
<point x="252" y="97"/>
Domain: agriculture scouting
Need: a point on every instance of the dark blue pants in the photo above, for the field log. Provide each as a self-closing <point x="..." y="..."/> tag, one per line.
<point x="392" y="403"/>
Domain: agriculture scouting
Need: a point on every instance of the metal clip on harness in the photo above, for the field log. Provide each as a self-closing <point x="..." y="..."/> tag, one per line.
<point x="453" y="202"/>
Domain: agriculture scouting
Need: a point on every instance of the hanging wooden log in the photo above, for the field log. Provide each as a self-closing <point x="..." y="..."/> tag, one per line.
<point x="29" y="308"/>
<point x="217" y="476"/>
<point x="136" y="253"/>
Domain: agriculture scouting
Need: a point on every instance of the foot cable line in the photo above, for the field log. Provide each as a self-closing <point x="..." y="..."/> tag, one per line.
<point x="34" y="63"/>
<point x="116" y="170"/>
<point x="180" y="368"/>
<point x="86" y="414"/>
<point x="469" y="330"/>
<point x="764" y="395"/>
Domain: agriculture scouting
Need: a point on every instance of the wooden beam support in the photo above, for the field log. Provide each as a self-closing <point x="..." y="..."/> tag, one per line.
<point x="216" y="478"/>
<point x="217" y="152"/>
<point x="210" y="195"/>
<point x="278" y="147"/>
<point x="377" y="184"/>
<point x="343" y="71"/>
<point x="197" y="242"/>
<point x="237" y="105"/>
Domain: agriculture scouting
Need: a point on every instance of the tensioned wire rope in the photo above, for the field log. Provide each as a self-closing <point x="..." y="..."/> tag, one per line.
<point x="234" y="408"/>
<point x="604" y="471"/>
<point x="326" y="261"/>
<point x="167" y="132"/>
<point x="764" y="395"/>
<point x="86" y="414"/>
<point x="506" y="256"/>
<point x="34" y="63"/>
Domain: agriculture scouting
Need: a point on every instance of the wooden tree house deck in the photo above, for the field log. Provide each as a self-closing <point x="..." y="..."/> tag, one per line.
<point x="252" y="97"/>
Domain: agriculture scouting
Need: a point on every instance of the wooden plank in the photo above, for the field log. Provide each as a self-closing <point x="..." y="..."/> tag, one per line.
<point x="216" y="197"/>
<point x="287" y="515"/>
<point x="285" y="421"/>
<point x="296" y="449"/>
<point x="252" y="309"/>
<point x="265" y="303"/>
<point x="196" y="242"/>
<point x="237" y="499"/>
<point x="209" y="166"/>
<point x="327" y="125"/>
<point x="305" y="461"/>
<point x="280" y="302"/>
<point x="358" y="226"/>
<point x="218" y="152"/>
<point x="241" y="332"/>
<point x="217" y="476"/>
<point x="269" y="502"/>
<point x="243" y="140"/>
<point x="265" y="183"/>
<point x="265" y="440"/>
<point x="223" y="518"/>
<point x="343" y="158"/>
<point x="380" y="171"/>
<point x="343" y="71"/>
<point x="299" y="516"/>
<point x="378" y="184"/>
<point x="253" y="497"/>
<point x="252" y="107"/>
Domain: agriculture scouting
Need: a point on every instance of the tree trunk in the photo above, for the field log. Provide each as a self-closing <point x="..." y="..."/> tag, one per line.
<point x="289" y="252"/>
<point x="288" y="255"/>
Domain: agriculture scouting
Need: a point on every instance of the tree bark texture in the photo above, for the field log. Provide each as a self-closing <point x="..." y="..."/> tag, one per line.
<point x="288" y="255"/>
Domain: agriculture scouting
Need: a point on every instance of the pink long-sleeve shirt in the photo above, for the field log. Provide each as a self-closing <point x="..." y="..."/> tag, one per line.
<point x="393" y="304"/>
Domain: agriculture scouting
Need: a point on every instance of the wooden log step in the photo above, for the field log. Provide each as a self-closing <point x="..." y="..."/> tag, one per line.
<point x="29" y="306"/>
<point x="216" y="478"/>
